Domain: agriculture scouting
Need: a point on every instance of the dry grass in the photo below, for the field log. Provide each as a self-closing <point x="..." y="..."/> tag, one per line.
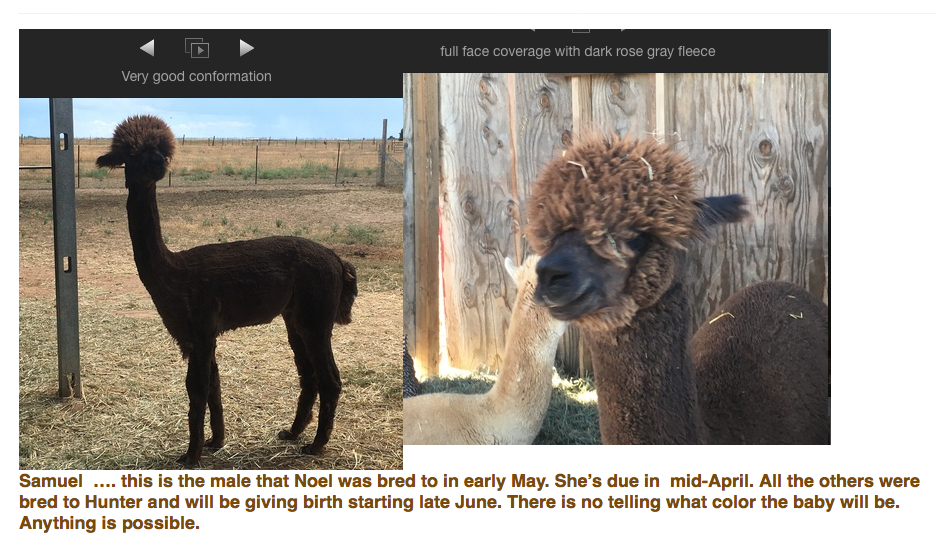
<point x="133" y="414"/>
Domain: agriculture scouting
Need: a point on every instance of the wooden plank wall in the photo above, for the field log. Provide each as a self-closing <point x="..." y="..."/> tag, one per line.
<point x="478" y="213"/>
<point x="765" y="136"/>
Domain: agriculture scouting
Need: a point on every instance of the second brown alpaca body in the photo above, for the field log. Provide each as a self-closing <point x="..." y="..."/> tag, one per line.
<point x="754" y="375"/>
<point x="762" y="361"/>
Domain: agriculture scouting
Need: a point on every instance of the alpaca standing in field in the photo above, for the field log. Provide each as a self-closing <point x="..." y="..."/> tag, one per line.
<point x="210" y="289"/>
<point x="512" y="412"/>
<point x="611" y="219"/>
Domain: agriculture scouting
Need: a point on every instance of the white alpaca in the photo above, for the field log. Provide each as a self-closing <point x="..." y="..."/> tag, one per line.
<point x="512" y="412"/>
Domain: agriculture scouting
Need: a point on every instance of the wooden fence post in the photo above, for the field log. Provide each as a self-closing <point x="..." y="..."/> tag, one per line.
<point x="337" y="162"/>
<point x="421" y="220"/>
<point x="383" y="157"/>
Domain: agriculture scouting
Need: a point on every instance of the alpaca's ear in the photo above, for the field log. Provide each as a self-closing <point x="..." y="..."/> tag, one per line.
<point x="512" y="268"/>
<point x="717" y="210"/>
<point x="110" y="160"/>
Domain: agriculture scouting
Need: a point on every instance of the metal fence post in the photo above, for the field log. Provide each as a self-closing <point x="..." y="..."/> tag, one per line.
<point x="65" y="245"/>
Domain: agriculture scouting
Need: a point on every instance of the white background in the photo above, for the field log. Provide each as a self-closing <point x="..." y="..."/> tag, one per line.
<point x="882" y="117"/>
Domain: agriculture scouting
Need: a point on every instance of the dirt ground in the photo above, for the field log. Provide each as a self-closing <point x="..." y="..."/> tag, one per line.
<point x="133" y="413"/>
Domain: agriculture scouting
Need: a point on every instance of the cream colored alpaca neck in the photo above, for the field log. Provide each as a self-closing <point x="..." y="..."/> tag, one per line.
<point x="512" y="412"/>
<point x="524" y="383"/>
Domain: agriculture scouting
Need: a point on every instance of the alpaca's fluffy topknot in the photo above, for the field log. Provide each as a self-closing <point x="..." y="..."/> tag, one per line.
<point x="609" y="189"/>
<point x="135" y="135"/>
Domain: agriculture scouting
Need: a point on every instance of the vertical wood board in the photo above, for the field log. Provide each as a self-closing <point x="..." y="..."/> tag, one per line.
<point x="475" y="209"/>
<point x="425" y="149"/>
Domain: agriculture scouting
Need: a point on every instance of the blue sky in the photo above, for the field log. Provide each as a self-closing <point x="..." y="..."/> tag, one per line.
<point x="228" y="117"/>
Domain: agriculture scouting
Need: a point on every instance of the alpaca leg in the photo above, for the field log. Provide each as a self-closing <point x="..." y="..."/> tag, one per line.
<point x="307" y="383"/>
<point x="214" y="406"/>
<point x="197" y="383"/>
<point x="303" y="409"/>
<point x="329" y="384"/>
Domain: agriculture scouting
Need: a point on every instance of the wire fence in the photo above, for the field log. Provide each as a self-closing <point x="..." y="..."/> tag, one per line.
<point x="238" y="161"/>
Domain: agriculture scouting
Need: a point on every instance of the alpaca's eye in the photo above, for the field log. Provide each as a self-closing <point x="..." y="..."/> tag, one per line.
<point x="638" y="243"/>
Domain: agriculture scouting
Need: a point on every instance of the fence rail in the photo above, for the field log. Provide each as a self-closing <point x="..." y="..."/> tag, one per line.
<point x="213" y="160"/>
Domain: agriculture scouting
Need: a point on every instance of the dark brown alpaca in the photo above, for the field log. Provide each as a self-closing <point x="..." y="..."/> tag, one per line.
<point x="780" y="333"/>
<point x="210" y="289"/>
<point x="611" y="218"/>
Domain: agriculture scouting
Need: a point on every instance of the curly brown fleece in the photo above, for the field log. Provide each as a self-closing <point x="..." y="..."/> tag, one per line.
<point x="136" y="135"/>
<point x="614" y="187"/>
<point x="610" y="189"/>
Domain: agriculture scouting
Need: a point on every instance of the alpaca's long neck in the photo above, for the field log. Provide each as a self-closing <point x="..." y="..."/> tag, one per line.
<point x="644" y="377"/>
<point x="149" y="251"/>
<point x="524" y="383"/>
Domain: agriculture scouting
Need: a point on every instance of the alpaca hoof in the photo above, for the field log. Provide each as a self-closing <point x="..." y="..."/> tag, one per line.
<point x="313" y="449"/>
<point x="188" y="459"/>
<point x="214" y="443"/>
<point x="286" y="435"/>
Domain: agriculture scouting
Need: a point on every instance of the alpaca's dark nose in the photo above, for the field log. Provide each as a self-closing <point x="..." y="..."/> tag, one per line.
<point x="558" y="281"/>
<point x="554" y="277"/>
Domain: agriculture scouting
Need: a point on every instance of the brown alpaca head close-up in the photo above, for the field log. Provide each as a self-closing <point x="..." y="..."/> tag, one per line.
<point x="144" y="144"/>
<point x="610" y="217"/>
